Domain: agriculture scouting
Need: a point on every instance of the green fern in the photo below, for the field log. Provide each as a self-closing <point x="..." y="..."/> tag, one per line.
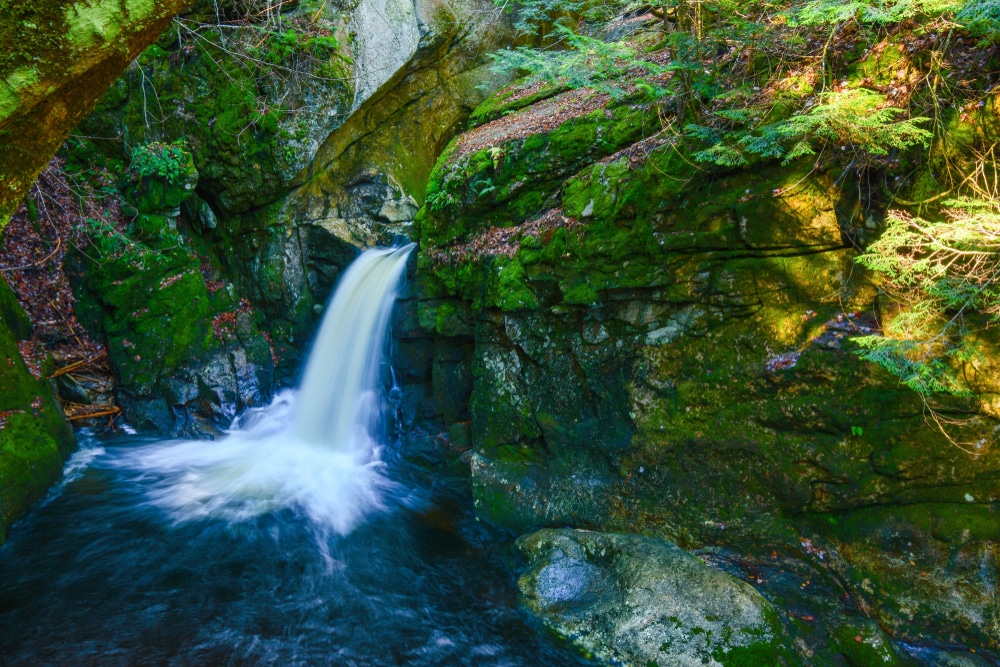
<point x="858" y="118"/>
<point x="609" y="67"/>
<point x="531" y="15"/>
<point x="879" y="12"/>
<point x="981" y="18"/>
<point x="915" y="363"/>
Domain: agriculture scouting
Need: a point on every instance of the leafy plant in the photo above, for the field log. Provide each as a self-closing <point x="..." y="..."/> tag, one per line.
<point x="161" y="160"/>
<point x="497" y="155"/>
<point x="439" y="200"/>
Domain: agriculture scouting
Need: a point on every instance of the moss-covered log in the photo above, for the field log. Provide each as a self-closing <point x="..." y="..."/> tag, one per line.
<point x="58" y="59"/>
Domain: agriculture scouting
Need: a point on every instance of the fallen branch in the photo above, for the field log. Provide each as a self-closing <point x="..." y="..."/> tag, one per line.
<point x="75" y="365"/>
<point x="39" y="262"/>
<point x="106" y="411"/>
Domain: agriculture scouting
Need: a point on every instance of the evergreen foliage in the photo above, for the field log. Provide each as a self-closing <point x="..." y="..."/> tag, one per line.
<point x="530" y="16"/>
<point x="608" y="67"/>
<point x="859" y="118"/>
<point x="981" y="18"/>
<point x="942" y="272"/>
<point x="879" y="12"/>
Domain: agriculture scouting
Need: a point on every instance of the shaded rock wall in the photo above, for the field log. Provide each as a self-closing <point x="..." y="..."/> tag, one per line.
<point x="284" y="202"/>
<point x="666" y="351"/>
<point x="59" y="59"/>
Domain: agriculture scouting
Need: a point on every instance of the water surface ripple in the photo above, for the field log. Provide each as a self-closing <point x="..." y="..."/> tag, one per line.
<point x="98" y="575"/>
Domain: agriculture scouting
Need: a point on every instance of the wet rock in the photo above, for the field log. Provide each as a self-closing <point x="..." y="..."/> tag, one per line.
<point x="637" y="601"/>
<point x="944" y="658"/>
<point x="863" y="644"/>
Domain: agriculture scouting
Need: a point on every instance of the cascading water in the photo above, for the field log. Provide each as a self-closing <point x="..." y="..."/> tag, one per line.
<point x="337" y="404"/>
<point x="96" y="576"/>
<point x="312" y="449"/>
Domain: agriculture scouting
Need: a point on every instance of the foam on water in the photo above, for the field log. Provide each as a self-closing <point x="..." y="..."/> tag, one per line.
<point x="312" y="450"/>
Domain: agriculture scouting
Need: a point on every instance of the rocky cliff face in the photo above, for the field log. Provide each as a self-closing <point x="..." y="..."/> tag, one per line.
<point x="59" y="59"/>
<point x="614" y="338"/>
<point x="652" y="348"/>
<point x="298" y="164"/>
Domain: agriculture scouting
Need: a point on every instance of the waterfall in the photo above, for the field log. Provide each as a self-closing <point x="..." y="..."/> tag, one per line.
<point x="313" y="450"/>
<point x="337" y="403"/>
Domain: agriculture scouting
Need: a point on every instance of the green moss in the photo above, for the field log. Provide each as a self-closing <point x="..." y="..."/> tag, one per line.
<point x="880" y="68"/>
<point x="471" y="192"/>
<point x="863" y="644"/>
<point x="156" y="313"/>
<point x="232" y="112"/>
<point x="511" y="291"/>
<point x="755" y="655"/>
<point x="34" y="436"/>
<point x="508" y="101"/>
<point x="579" y="292"/>
<point x="12" y="315"/>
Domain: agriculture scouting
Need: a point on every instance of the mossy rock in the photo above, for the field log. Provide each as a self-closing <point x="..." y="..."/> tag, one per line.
<point x="35" y="437"/>
<point x="863" y="644"/>
<point x="59" y="59"/>
<point x="637" y="601"/>
<point x="673" y="356"/>
<point x="508" y="182"/>
<point x="186" y="357"/>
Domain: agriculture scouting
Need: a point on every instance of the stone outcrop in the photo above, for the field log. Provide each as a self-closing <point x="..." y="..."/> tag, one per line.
<point x="660" y="350"/>
<point x="35" y="438"/>
<point x="636" y="601"/>
<point x="59" y="58"/>
<point x="283" y="203"/>
<point x="188" y="353"/>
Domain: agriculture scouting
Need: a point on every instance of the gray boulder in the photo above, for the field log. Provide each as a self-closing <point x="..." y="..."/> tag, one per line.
<point x="638" y="601"/>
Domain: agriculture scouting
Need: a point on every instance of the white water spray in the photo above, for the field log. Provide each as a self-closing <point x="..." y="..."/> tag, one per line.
<point x="313" y="450"/>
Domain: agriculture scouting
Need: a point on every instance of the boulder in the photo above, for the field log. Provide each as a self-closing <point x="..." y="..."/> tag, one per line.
<point x="35" y="437"/>
<point x="637" y="601"/>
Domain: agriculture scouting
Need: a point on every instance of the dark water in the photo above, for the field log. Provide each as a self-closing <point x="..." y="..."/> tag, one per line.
<point x="96" y="576"/>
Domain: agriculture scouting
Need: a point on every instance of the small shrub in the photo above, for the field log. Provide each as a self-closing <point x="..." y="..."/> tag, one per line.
<point x="161" y="160"/>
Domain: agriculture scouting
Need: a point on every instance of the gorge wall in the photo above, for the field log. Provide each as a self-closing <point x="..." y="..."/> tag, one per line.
<point x="293" y="169"/>
<point x="599" y="332"/>
<point x="652" y="347"/>
<point x="59" y="58"/>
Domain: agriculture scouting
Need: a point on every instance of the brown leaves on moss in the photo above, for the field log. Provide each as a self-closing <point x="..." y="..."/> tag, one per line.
<point x="505" y="241"/>
<point x="538" y="118"/>
<point x="224" y="324"/>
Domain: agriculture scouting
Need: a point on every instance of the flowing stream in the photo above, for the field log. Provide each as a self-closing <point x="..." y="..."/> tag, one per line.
<point x="293" y="540"/>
